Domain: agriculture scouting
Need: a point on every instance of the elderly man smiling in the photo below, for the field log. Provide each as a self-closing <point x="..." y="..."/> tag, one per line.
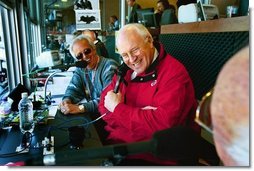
<point x="157" y="92"/>
<point x="83" y="92"/>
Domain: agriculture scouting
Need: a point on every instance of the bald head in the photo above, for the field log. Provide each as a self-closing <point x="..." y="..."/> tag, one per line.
<point x="134" y="29"/>
<point x="89" y="34"/>
<point x="230" y="110"/>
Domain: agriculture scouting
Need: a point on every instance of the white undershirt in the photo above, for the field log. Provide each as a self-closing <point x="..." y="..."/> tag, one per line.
<point x="96" y="41"/>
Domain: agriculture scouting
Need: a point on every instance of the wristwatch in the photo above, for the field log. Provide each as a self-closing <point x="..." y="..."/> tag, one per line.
<point x="81" y="108"/>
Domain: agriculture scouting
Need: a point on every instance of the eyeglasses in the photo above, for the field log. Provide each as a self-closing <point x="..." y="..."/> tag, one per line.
<point x="133" y="52"/>
<point x="85" y="51"/>
<point x="203" y="112"/>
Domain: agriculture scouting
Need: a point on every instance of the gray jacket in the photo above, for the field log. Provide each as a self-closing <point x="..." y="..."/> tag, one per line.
<point x="86" y="86"/>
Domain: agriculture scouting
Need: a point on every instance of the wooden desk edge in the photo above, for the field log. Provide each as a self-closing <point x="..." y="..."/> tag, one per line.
<point x="218" y="25"/>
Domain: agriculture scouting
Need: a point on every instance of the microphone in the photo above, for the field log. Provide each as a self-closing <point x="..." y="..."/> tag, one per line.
<point x="177" y="143"/>
<point x="80" y="64"/>
<point x="121" y="71"/>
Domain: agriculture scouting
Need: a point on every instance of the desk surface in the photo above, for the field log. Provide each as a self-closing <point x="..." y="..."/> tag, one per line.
<point x="10" y="139"/>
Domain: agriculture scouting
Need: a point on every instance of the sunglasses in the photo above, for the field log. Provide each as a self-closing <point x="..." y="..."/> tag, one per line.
<point x="85" y="51"/>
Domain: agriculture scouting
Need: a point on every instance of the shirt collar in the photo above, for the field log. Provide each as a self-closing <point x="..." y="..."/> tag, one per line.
<point x="96" y="41"/>
<point x="155" y="55"/>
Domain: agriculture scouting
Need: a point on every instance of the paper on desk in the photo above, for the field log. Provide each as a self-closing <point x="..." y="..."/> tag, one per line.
<point x="52" y="111"/>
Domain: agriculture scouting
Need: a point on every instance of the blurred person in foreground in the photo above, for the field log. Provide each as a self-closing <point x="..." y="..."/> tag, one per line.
<point x="157" y="93"/>
<point x="230" y="111"/>
<point x="83" y="92"/>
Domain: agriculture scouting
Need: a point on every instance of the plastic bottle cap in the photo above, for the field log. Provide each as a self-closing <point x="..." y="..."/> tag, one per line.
<point x="23" y="95"/>
<point x="10" y="100"/>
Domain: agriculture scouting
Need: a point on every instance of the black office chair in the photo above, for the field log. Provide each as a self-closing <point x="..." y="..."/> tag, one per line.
<point x="168" y="17"/>
<point x="204" y="54"/>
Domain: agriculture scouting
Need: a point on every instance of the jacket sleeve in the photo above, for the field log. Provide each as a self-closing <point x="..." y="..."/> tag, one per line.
<point x="76" y="88"/>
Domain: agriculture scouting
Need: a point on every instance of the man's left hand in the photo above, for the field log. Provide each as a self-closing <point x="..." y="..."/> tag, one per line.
<point x="70" y="109"/>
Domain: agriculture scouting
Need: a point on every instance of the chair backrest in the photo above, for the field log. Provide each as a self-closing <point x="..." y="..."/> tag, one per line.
<point x="168" y="17"/>
<point x="204" y="54"/>
<point x="203" y="48"/>
<point x="187" y="13"/>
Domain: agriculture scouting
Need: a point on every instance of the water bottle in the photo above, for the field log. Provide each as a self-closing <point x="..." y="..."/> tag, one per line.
<point x="25" y="106"/>
<point x="5" y="106"/>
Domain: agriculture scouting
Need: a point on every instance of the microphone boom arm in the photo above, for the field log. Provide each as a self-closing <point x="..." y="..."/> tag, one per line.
<point x="68" y="157"/>
<point x="176" y="143"/>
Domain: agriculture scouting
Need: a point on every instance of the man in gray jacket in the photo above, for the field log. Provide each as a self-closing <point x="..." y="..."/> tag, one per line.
<point x="83" y="93"/>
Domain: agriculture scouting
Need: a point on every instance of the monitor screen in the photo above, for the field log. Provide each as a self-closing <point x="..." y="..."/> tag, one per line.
<point x="201" y="13"/>
<point x="149" y="20"/>
<point x="141" y="12"/>
<point x="146" y="17"/>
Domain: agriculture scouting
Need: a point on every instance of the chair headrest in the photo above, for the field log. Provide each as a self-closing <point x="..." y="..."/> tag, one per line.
<point x="188" y="13"/>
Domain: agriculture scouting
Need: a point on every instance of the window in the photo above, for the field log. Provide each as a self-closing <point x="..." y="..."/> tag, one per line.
<point x="19" y="45"/>
<point x="3" y="65"/>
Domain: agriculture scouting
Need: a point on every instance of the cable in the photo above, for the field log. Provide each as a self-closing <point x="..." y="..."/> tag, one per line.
<point x="33" y="72"/>
<point x="85" y="124"/>
<point x="49" y="129"/>
<point x="61" y="125"/>
<point x="95" y="119"/>
<point x="28" y="139"/>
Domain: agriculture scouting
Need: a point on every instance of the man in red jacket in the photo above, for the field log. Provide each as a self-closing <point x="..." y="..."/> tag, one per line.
<point x="157" y="92"/>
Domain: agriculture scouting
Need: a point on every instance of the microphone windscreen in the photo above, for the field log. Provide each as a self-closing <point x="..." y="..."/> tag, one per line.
<point x="177" y="143"/>
<point x="81" y="64"/>
<point x="122" y="69"/>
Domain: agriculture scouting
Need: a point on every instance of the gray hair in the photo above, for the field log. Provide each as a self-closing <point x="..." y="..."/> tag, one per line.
<point x="138" y="28"/>
<point x="79" y="38"/>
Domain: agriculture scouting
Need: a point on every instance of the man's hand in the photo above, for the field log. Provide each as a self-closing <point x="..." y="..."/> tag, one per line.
<point x="67" y="107"/>
<point x="112" y="100"/>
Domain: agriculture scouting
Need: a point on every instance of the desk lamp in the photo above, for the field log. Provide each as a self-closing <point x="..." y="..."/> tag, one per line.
<point x="79" y="64"/>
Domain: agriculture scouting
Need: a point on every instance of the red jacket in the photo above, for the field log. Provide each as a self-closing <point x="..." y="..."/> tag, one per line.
<point x="165" y="85"/>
